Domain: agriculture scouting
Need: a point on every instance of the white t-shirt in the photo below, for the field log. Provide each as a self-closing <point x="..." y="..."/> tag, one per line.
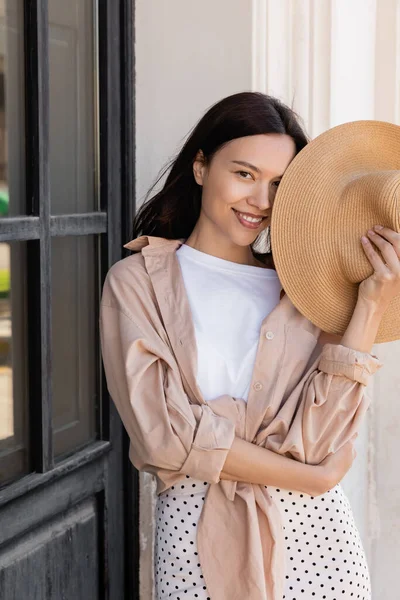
<point x="228" y="301"/>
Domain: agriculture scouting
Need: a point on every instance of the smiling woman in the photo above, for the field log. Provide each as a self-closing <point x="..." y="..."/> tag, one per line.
<point x="245" y="413"/>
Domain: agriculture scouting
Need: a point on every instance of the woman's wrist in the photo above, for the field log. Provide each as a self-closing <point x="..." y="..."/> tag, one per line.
<point x="363" y="327"/>
<point x="317" y="480"/>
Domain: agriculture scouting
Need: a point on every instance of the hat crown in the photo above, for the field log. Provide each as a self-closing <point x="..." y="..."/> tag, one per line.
<point x="368" y="199"/>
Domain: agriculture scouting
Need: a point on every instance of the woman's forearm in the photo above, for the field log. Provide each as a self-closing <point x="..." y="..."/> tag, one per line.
<point x="254" y="464"/>
<point x="363" y="327"/>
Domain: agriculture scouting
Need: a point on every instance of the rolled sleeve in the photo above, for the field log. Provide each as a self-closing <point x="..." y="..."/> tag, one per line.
<point x="211" y="444"/>
<point x="166" y="431"/>
<point x="347" y="362"/>
<point x="329" y="404"/>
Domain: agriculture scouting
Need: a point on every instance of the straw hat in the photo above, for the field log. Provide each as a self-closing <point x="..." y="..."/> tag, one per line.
<point x="340" y="185"/>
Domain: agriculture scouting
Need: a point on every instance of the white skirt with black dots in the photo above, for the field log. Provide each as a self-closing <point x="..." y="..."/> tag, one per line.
<point x="324" y="555"/>
<point x="325" y="559"/>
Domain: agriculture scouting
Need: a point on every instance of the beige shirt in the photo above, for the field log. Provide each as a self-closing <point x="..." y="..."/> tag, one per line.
<point x="305" y="401"/>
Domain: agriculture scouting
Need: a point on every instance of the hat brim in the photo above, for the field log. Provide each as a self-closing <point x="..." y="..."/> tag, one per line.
<point x="304" y="222"/>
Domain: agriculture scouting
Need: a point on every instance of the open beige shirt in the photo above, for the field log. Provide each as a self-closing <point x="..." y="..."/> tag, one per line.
<point x="305" y="401"/>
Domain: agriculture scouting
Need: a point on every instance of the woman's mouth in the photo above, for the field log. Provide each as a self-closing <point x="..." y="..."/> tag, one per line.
<point x="248" y="221"/>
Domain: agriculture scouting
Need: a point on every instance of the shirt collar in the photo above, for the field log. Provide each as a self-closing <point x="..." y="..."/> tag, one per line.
<point x="137" y="244"/>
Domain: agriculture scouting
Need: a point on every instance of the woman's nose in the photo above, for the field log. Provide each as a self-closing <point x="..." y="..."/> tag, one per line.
<point x="263" y="201"/>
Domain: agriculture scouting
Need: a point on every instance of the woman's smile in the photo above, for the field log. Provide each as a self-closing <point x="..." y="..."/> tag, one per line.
<point x="249" y="220"/>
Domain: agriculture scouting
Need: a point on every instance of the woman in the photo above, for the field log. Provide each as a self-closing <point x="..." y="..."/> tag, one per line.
<point x="208" y="363"/>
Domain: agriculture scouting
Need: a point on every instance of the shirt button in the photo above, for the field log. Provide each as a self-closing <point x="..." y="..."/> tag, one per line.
<point x="269" y="335"/>
<point x="258" y="386"/>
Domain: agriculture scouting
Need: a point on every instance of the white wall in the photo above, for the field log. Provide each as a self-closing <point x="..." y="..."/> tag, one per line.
<point x="333" y="61"/>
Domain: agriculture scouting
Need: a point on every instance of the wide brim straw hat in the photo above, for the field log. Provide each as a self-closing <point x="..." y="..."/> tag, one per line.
<point x="341" y="184"/>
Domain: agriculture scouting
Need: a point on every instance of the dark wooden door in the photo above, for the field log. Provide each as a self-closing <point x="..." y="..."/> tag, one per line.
<point x="68" y="506"/>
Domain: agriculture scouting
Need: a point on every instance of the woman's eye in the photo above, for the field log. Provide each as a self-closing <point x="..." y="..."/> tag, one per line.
<point x="276" y="183"/>
<point x="244" y="173"/>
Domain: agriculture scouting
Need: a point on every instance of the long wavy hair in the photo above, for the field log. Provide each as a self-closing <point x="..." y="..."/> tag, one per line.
<point x="173" y="212"/>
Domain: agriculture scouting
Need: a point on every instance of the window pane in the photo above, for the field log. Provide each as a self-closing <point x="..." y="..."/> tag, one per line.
<point x="13" y="362"/>
<point x="12" y="129"/>
<point x="74" y="301"/>
<point x="73" y="107"/>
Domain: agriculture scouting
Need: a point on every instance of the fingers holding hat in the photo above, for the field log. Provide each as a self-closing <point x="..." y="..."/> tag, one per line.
<point x="384" y="284"/>
<point x="389" y="234"/>
<point x="388" y="242"/>
<point x="372" y="255"/>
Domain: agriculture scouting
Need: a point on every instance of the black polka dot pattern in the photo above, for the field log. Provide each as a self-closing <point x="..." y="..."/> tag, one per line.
<point x="325" y="559"/>
<point x="178" y="573"/>
<point x="324" y="555"/>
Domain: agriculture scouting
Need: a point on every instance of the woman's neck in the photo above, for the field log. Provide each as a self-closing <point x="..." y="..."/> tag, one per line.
<point x="221" y="248"/>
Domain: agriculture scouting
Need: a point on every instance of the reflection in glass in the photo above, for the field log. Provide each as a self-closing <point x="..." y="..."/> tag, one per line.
<point x="13" y="327"/>
<point x="6" y="393"/>
<point x="12" y="132"/>
<point x="73" y="102"/>
<point x="74" y="341"/>
<point x="13" y="362"/>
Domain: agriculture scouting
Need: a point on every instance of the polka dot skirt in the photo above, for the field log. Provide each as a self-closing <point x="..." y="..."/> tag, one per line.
<point x="324" y="555"/>
<point x="178" y="572"/>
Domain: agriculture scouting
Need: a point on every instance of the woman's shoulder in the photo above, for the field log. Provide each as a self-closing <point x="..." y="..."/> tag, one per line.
<point x="132" y="266"/>
<point x="128" y="290"/>
<point x="127" y="280"/>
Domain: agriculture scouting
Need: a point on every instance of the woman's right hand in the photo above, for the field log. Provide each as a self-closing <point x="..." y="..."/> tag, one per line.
<point x="335" y="466"/>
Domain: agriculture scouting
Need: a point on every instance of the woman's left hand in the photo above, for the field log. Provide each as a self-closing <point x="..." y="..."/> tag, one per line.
<point x="384" y="284"/>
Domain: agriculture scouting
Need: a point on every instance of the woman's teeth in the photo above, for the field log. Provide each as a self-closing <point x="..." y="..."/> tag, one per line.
<point x="251" y="219"/>
<point x="247" y="220"/>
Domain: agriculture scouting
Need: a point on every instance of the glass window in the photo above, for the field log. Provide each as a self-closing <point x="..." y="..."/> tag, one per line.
<point x="13" y="325"/>
<point x="13" y="362"/>
<point x="74" y="323"/>
<point x="73" y="107"/>
<point x="12" y="128"/>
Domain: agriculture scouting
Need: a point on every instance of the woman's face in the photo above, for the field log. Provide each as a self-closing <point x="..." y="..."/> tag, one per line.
<point x="240" y="183"/>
